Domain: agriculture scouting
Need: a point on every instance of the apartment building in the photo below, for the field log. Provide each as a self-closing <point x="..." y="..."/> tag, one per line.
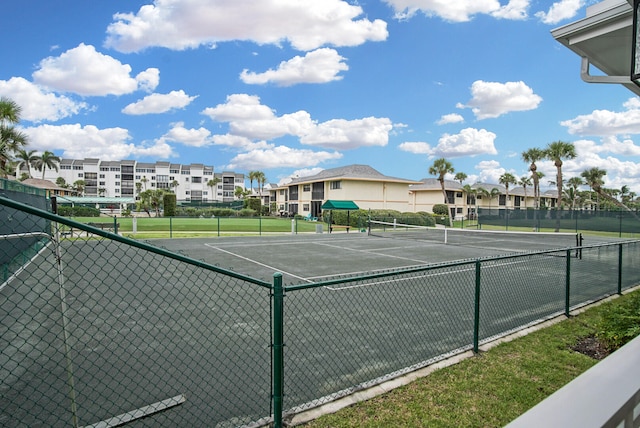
<point x="191" y="183"/>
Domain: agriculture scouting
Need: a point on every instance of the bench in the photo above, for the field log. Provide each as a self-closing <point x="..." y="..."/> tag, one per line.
<point x="337" y="226"/>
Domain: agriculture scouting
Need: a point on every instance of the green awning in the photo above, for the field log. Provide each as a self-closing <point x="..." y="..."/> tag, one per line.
<point x="339" y="205"/>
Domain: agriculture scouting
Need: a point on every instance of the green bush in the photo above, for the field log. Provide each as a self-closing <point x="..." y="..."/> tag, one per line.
<point x="620" y="323"/>
<point x="169" y="202"/>
<point x="441" y="209"/>
<point x="79" y="211"/>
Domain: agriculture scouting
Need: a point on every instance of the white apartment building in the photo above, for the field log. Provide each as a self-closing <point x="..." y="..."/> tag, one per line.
<point x="126" y="178"/>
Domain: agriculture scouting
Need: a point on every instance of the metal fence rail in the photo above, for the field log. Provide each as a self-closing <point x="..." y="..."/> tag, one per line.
<point x="105" y="330"/>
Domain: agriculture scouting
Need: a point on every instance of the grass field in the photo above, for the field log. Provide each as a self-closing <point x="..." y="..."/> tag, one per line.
<point x="163" y="227"/>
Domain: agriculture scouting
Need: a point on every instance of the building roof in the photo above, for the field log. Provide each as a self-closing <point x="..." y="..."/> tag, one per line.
<point x="434" y="184"/>
<point x="604" y="39"/>
<point x="43" y="184"/>
<point x="349" y="172"/>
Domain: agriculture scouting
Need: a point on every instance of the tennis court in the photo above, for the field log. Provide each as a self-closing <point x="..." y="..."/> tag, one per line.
<point x="125" y="328"/>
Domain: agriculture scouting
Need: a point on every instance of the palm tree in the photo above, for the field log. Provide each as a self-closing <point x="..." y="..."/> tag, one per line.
<point x="506" y="179"/>
<point x="460" y="177"/>
<point x="532" y="156"/>
<point x="442" y="167"/>
<point x="144" y="180"/>
<point x="524" y="182"/>
<point x="46" y="160"/>
<point x="11" y="140"/>
<point x="252" y="176"/>
<point x="574" y="183"/>
<point x="556" y="152"/>
<point x="471" y="196"/>
<point x="594" y="178"/>
<point x="78" y="187"/>
<point x="26" y="158"/>
<point x="213" y="184"/>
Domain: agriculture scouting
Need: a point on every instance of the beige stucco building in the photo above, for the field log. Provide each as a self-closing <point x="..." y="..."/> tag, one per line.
<point x="362" y="184"/>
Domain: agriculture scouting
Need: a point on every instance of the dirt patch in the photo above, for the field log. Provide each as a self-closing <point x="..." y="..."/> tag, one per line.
<point x="591" y="347"/>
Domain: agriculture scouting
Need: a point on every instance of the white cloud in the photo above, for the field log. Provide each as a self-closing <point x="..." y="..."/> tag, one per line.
<point x="38" y="104"/>
<point x="459" y="11"/>
<point x="159" y="103"/>
<point x="247" y="117"/>
<point x="180" y="24"/>
<point x="607" y="123"/>
<point x="79" y="142"/>
<point x="469" y="142"/>
<point x="609" y="145"/>
<point x="319" y="66"/>
<point x="280" y="157"/>
<point x="149" y="79"/>
<point x="350" y="134"/>
<point x="240" y="143"/>
<point x="493" y="99"/>
<point x="84" y="71"/>
<point x="560" y="11"/>
<point x="416" y="147"/>
<point x="490" y="172"/>
<point x="189" y="137"/>
<point x="450" y="118"/>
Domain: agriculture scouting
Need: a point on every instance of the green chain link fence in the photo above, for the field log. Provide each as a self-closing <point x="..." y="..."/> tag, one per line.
<point x="106" y="329"/>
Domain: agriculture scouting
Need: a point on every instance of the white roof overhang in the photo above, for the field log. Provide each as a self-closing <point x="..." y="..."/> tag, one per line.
<point x="603" y="39"/>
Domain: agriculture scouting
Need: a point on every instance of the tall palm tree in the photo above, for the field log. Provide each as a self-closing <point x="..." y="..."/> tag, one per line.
<point x="532" y="156"/>
<point x="506" y="179"/>
<point x="574" y="183"/>
<point x="212" y="184"/>
<point x="525" y="182"/>
<point x="556" y="152"/>
<point x="11" y="140"/>
<point x="252" y="176"/>
<point x="47" y="160"/>
<point x="442" y="167"/>
<point x="472" y="196"/>
<point x="27" y="158"/>
<point x="594" y="178"/>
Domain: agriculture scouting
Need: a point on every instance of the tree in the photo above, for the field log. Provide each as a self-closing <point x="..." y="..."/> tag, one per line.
<point x="213" y="184"/>
<point x="532" y="156"/>
<point x="27" y="158"/>
<point x="506" y="179"/>
<point x="144" y="180"/>
<point x="46" y="160"/>
<point x="594" y="178"/>
<point x="252" y="176"/>
<point x="556" y="152"/>
<point x="442" y="167"/>
<point x="525" y="182"/>
<point x="574" y="183"/>
<point x="11" y="140"/>
<point x="78" y="187"/>
<point x="460" y="177"/>
<point x="471" y="196"/>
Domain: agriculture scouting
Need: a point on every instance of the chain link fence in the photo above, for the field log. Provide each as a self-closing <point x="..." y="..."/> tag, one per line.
<point x="103" y="330"/>
<point x="619" y="223"/>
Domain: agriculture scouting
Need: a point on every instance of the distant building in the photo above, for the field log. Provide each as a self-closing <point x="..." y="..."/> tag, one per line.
<point x="362" y="184"/>
<point x="127" y="178"/>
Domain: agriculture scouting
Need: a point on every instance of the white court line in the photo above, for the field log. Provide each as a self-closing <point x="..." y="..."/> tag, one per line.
<point x="372" y="252"/>
<point x="258" y="263"/>
<point x="425" y="275"/>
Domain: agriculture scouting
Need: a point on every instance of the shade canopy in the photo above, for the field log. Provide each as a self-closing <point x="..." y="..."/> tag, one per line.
<point x="339" y="205"/>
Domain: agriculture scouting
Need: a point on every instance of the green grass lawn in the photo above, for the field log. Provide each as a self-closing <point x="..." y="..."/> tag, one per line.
<point x="490" y="389"/>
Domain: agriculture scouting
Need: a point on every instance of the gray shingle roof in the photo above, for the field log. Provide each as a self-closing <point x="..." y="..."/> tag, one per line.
<point x="363" y="172"/>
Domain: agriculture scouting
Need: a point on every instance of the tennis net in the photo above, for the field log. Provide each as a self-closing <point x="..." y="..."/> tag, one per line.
<point x="525" y="241"/>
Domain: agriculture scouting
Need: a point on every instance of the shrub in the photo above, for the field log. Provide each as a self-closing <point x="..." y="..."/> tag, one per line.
<point x="79" y="211"/>
<point x="441" y="209"/>
<point x="620" y="323"/>
<point x="169" y="202"/>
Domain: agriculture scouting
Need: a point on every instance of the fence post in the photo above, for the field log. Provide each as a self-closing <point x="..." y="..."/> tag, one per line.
<point x="170" y="227"/>
<point x="619" y="268"/>
<point x="115" y="224"/>
<point x="567" y="297"/>
<point x="277" y="362"/>
<point x="476" y="315"/>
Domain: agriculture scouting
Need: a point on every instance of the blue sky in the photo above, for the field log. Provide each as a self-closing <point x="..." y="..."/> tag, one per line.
<point x="291" y="87"/>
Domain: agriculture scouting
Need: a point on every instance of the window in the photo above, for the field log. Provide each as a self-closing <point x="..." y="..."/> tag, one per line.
<point x="196" y="179"/>
<point x="458" y="210"/>
<point x="102" y="183"/>
<point x="102" y="176"/>
<point x="117" y="183"/>
<point x="458" y="194"/>
<point x="306" y="188"/>
<point x="335" y="185"/>
<point x="305" y="207"/>
<point x="80" y="175"/>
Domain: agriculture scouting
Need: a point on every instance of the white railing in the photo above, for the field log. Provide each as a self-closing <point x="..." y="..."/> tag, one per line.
<point x="607" y="395"/>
